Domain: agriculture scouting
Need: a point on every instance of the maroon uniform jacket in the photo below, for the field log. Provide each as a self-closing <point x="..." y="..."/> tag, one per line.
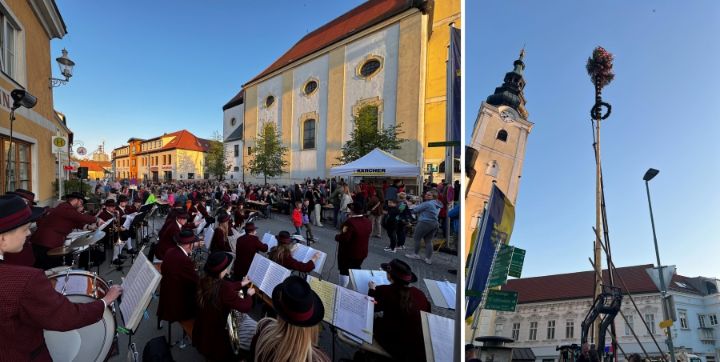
<point x="245" y="249"/>
<point x="209" y="334"/>
<point x="167" y="239"/>
<point x="24" y="258"/>
<point x="105" y="215"/>
<point x="239" y="216"/>
<point x="293" y="264"/>
<point x="219" y="242"/>
<point x="400" y="332"/>
<point x="178" y="287"/>
<point x="57" y="224"/>
<point x="353" y="241"/>
<point x="29" y="304"/>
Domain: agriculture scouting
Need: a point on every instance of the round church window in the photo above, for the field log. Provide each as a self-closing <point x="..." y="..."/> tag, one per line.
<point x="310" y="87"/>
<point x="370" y="67"/>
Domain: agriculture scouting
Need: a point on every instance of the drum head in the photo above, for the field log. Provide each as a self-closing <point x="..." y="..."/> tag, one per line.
<point x="87" y="344"/>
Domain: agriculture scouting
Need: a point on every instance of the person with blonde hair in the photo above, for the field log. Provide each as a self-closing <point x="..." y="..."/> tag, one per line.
<point x="293" y="336"/>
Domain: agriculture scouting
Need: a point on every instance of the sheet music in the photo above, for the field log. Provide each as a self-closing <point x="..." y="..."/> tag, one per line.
<point x="197" y="218"/>
<point x="327" y="292"/>
<point x="138" y="286"/>
<point x="354" y="313"/>
<point x="360" y="279"/>
<point x="208" y="235"/>
<point x="129" y="219"/>
<point x="448" y="291"/>
<point x="200" y="227"/>
<point x="438" y="334"/>
<point x="269" y="240"/>
<point x="106" y="223"/>
<point x="304" y="253"/>
<point x="266" y="274"/>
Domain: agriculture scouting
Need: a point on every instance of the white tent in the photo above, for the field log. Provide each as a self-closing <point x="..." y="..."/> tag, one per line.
<point x="377" y="163"/>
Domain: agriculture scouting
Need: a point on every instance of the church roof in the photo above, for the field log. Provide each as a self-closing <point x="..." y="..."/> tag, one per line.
<point x="580" y="285"/>
<point x="238" y="99"/>
<point x="237" y="134"/>
<point x="510" y="93"/>
<point x="352" y="22"/>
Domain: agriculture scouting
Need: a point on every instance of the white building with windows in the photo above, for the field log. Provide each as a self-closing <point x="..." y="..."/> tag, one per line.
<point x="551" y="309"/>
<point x="385" y="56"/>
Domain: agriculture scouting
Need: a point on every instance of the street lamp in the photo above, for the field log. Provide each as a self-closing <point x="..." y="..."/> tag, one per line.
<point x="66" y="69"/>
<point x="649" y="175"/>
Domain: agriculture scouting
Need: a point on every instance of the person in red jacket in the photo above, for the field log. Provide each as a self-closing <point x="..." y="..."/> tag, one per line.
<point x="282" y="254"/>
<point x="297" y="217"/>
<point x="353" y="242"/>
<point x="26" y="256"/>
<point x="220" y="241"/>
<point x="215" y="298"/>
<point x="400" y="325"/>
<point x="28" y="302"/>
<point x="54" y="228"/>
<point x="245" y="249"/>
<point x="178" y="285"/>
<point x="172" y="230"/>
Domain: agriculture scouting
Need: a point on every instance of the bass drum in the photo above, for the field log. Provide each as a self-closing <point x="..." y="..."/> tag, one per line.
<point x="89" y="343"/>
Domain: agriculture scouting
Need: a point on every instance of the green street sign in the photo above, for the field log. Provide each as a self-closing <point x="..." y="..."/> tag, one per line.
<point x="516" y="263"/>
<point x="505" y="301"/>
<point x="444" y="144"/>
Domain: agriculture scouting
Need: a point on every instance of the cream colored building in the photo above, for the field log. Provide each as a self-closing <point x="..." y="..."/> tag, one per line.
<point x="26" y="63"/>
<point x="173" y="156"/>
<point x="499" y="138"/>
<point x="390" y="54"/>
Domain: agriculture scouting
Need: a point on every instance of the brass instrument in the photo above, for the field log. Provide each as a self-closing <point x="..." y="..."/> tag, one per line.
<point x="233" y="328"/>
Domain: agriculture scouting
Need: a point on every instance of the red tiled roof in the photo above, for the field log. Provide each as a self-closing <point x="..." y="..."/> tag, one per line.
<point x="580" y="285"/>
<point x="97" y="166"/>
<point x="186" y="141"/>
<point x="354" y="21"/>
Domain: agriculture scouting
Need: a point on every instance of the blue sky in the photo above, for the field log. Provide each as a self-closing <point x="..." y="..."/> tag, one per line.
<point x="665" y="99"/>
<point x="149" y="67"/>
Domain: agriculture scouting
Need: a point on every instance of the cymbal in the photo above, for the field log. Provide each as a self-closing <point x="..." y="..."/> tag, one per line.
<point x="63" y="250"/>
<point x="88" y="239"/>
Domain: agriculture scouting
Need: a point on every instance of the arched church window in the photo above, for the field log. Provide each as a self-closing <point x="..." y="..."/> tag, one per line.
<point x="502" y="135"/>
<point x="309" y="134"/>
<point x="269" y="101"/>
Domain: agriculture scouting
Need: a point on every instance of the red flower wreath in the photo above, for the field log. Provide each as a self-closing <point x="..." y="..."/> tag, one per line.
<point x="599" y="67"/>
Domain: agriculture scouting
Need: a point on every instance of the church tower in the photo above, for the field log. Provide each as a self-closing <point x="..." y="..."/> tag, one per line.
<point x="499" y="137"/>
<point x="497" y="146"/>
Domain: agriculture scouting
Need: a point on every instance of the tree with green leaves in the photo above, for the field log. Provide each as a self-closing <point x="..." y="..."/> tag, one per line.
<point x="216" y="160"/>
<point x="366" y="136"/>
<point x="268" y="156"/>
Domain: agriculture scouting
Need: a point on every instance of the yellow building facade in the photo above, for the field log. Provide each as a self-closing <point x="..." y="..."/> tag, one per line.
<point x="173" y="156"/>
<point x="387" y="54"/>
<point x="26" y="64"/>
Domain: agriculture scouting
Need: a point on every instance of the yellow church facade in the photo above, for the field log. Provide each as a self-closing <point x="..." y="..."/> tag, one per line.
<point x="390" y="55"/>
<point x="27" y="62"/>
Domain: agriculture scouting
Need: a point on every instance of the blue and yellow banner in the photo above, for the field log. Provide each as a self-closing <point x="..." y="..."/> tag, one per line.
<point x="496" y="229"/>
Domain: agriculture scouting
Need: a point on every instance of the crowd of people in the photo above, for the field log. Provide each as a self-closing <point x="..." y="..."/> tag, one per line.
<point x="208" y="297"/>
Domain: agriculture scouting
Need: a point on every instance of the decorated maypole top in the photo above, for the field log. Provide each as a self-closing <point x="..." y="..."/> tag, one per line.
<point x="600" y="69"/>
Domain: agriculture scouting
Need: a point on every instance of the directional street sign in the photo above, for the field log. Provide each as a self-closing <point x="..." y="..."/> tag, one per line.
<point x="516" y="263"/>
<point x="499" y="273"/>
<point x="505" y="301"/>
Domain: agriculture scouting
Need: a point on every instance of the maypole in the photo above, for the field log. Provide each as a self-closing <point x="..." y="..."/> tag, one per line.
<point x="599" y="67"/>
